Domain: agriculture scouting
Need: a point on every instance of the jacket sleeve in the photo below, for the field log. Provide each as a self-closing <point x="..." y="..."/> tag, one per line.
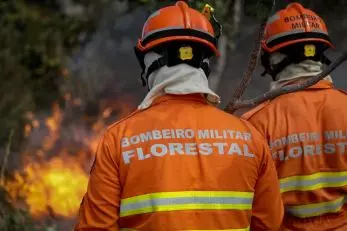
<point x="99" y="209"/>
<point x="267" y="210"/>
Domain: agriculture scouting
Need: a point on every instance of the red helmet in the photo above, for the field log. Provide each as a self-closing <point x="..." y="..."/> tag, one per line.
<point x="292" y="25"/>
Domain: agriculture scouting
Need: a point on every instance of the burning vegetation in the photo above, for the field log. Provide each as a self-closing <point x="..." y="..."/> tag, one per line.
<point x="54" y="175"/>
<point x="55" y="187"/>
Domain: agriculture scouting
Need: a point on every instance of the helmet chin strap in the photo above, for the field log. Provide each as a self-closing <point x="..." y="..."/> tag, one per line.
<point x="172" y="56"/>
<point x="275" y="69"/>
<point x="292" y="55"/>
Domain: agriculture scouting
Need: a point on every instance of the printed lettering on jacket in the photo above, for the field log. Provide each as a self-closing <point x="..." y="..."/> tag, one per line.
<point x="186" y="142"/>
<point x="297" y="145"/>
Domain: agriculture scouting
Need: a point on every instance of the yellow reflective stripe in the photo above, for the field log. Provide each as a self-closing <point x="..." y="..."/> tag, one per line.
<point x="317" y="209"/>
<point x="187" y="200"/>
<point x="188" y="194"/>
<point x="313" y="181"/>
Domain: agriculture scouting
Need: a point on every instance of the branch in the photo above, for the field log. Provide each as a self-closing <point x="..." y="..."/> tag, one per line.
<point x="7" y="154"/>
<point x="246" y="78"/>
<point x="288" y="89"/>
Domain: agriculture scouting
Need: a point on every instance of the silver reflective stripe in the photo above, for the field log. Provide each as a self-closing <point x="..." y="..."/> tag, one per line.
<point x="164" y="29"/>
<point x="314" y="181"/>
<point x="173" y="28"/>
<point x="296" y="31"/>
<point x="319" y="31"/>
<point x="284" y="34"/>
<point x="145" y="24"/>
<point x="185" y="200"/>
<point x="317" y="209"/>
<point x="156" y="13"/>
<point x="273" y="18"/>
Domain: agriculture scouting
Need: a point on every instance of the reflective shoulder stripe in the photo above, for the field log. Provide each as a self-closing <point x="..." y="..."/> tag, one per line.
<point x="317" y="209"/>
<point x="313" y="181"/>
<point x="186" y="200"/>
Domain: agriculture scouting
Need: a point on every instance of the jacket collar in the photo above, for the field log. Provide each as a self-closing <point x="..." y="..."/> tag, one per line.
<point x="322" y="84"/>
<point x="189" y="97"/>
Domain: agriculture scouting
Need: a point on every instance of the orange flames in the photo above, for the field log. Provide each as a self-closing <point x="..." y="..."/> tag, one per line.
<point x="55" y="182"/>
<point x="54" y="179"/>
<point x="56" y="186"/>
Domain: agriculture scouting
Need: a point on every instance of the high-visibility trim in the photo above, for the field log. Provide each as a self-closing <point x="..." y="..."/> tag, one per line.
<point x="144" y="37"/>
<point x="273" y="18"/>
<point x="283" y="34"/>
<point x="187" y="200"/>
<point x="176" y="31"/>
<point x="314" y="181"/>
<point x="317" y="209"/>
<point x="295" y="35"/>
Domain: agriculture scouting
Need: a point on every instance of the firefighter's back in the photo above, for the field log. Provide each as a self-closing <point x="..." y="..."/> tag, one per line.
<point x="307" y="133"/>
<point x="186" y="165"/>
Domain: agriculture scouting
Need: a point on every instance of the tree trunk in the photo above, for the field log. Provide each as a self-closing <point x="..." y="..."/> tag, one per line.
<point x="227" y="41"/>
<point x="237" y="15"/>
<point x="233" y="17"/>
<point x="218" y="70"/>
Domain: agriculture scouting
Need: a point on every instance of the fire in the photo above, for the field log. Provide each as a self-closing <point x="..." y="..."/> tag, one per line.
<point x="56" y="186"/>
<point x="53" y="183"/>
<point x="54" y="177"/>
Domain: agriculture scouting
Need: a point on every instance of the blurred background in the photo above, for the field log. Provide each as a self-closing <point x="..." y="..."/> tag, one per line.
<point x="67" y="70"/>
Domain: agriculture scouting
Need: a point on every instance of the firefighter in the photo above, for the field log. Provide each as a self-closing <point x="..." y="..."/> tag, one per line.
<point x="178" y="162"/>
<point x="306" y="130"/>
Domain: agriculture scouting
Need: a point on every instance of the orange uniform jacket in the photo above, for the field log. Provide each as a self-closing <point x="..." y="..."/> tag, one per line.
<point x="307" y="135"/>
<point x="182" y="165"/>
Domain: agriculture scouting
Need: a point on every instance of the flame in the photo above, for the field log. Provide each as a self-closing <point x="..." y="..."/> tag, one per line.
<point x="27" y="130"/>
<point x="51" y="185"/>
<point x="57" y="185"/>
<point x="54" y="177"/>
<point x="33" y="123"/>
<point x="53" y="124"/>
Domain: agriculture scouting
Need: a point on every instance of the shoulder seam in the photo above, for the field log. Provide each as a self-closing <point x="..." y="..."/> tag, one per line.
<point x="247" y="115"/>
<point x="123" y="119"/>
